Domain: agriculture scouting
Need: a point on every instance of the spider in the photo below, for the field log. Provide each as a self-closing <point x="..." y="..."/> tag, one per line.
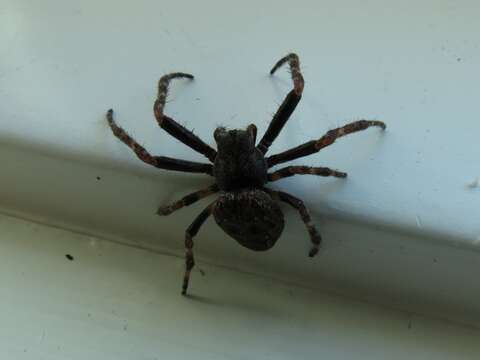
<point x="246" y="210"/>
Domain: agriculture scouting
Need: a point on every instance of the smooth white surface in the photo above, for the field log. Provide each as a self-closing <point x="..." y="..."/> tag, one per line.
<point x="116" y="302"/>
<point x="414" y="65"/>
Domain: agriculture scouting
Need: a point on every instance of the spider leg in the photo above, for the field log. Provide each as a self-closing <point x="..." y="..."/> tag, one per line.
<point x="304" y="170"/>
<point x="326" y="140"/>
<point x="298" y="204"/>
<point x="161" y="162"/>
<point x="171" y="126"/>
<point x="189" y="234"/>
<point x="289" y="103"/>
<point x="187" y="200"/>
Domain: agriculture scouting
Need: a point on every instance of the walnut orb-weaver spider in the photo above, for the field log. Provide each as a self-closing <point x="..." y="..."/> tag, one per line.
<point x="246" y="210"/>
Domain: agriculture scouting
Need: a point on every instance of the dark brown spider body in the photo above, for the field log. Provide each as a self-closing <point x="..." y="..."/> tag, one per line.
<point x="246" y="209"/>
<point x="239" y="164"/>
<point x="251" y="217"/>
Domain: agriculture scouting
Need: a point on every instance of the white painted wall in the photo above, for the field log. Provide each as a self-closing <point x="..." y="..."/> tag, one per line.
<point x="403" y="229"/>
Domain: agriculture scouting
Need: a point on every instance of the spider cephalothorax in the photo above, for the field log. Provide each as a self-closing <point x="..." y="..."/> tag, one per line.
<point x="238" y="164"/>
<point x="245" y="209"/>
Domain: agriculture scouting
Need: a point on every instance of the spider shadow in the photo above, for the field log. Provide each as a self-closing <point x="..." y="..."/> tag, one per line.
<point x="237" y="304"/>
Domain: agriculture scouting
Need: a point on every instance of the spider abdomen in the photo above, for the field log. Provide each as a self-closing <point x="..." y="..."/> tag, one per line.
<point x="251" y="217"/>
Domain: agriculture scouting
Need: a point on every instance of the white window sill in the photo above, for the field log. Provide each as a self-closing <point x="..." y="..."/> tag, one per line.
<point x="401" y="231"/>
<point x="115" y="302"/>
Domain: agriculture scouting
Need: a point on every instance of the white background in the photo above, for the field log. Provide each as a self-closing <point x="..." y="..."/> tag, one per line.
<point x="402" y="230"/>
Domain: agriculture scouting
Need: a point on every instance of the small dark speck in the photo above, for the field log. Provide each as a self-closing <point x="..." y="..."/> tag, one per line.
<point x="459" y="59"/>
<point x="202" y="272"/>
<point x="125" y="327"/>
<point x="99" y="178"/>
<point x="434" y="260"/>
<point x="69" y="257"/>
<point x="89" y="314"/>
<point x="409" y="325"/>
<point x="197" y="98"/>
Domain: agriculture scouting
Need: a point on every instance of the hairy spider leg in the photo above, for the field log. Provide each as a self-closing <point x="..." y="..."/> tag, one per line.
<point x="289" y="103"/>
<point x="189" y="234"/>
<point x="187" y="200"/>
<point x="304" y="170"/>
<point x="161" y="162"/>
<point x="329" y="138"/>
<point x="298" y="204"/>
<point x="171" y="126"/>
<point x="294" y="63"/>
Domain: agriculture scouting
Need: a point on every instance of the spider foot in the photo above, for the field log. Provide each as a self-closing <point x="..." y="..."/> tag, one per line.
<point x="186" y="280"/>
<point x="118" y="131"/>
<point x="165" y="81"/>
<point x="174" y="75"/>
<point x="122" y="134"/>
<point x="316" y="240"/>
<point x="294" y="63"/>
<point x="163" y="84"/>
<point x="380" y="124"/>
<point x="291" y="58"/>
<point x="313" y="252"/>
<point x="165" y="210"/>
<point x="110" y="116"/>
<point x="339" y="174"/>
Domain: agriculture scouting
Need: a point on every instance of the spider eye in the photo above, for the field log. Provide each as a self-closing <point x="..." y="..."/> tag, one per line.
<point x="219" y="133"/>
<point x="252" y="130"/>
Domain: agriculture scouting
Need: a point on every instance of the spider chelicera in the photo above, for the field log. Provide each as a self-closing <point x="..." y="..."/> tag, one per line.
<point x="245" y="209"/>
